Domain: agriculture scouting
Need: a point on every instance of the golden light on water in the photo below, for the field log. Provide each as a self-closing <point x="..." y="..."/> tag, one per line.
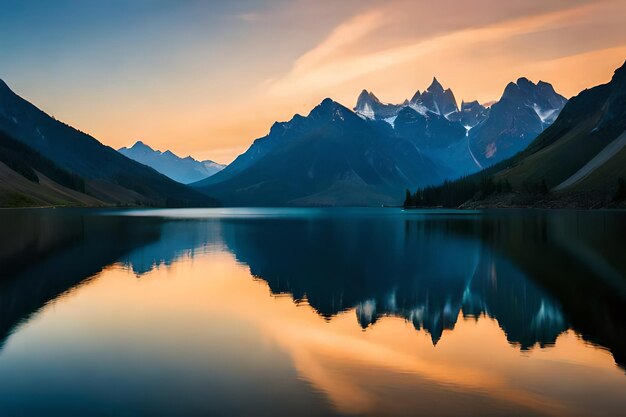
<point x="197" y="306"/>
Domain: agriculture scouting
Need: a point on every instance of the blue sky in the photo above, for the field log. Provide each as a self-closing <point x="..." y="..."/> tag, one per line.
<point x="208" y="77"/>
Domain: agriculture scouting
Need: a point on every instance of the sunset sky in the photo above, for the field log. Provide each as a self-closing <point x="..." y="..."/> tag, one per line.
<point x="207" y="77"/>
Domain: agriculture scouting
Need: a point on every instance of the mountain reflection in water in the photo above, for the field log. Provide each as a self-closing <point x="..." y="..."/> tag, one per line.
<point x="537" y="274"/>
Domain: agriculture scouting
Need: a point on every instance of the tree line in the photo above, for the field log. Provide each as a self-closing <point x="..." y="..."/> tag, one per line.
<point x="452" y="194"/>
<point x="455" y="193"/>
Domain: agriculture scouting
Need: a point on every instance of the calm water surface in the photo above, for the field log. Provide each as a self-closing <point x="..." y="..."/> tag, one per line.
<point x="315" y="312"/>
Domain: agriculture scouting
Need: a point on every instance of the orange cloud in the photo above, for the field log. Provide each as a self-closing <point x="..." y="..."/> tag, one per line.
<point x="322" y="67"/>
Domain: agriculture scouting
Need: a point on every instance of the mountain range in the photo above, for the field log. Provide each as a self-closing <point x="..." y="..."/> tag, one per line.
<point x="532" y="143"/>
<point x="335" y="156"/>
<point x="184" y="170"/>
<point x="579" y="161"/>
<point x="330" y="157"/>
<point x="46" y="162"/>
<point x="474" y="136"/>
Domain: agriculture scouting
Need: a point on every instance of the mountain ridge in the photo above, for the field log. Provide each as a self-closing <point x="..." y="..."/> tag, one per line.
<point x="527" y="106"/>
<point x="183" y="170"/>
<point x="431" y="127"/>
<point x="330" y="157"/>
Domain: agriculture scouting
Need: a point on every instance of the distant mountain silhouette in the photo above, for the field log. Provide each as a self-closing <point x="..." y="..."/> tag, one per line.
<point x="330" y="157"/>
<point x="184" y="170"/>
<point x="109" y="177"/>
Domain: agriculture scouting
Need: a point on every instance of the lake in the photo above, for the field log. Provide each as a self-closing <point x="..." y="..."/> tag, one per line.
<point x="313" y="312"/>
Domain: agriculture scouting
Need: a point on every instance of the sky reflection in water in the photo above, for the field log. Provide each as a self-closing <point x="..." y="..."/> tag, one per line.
<point x="193" y="312"/>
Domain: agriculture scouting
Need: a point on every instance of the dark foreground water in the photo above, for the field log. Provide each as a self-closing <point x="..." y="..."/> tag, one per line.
<point x="259" y="312"/>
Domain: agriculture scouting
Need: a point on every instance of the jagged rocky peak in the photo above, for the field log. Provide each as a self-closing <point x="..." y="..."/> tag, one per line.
<point x="435" y="86"/>
<point x="416" y="97"/>
<point x="540" y="97"/>
<point x="331" y="110"/>
<point x="367" y="97"/>
<point x="449" y="102"/>
<point x="184" y="170"/>
<point x="472" y="113"/>
<point x="139" y="144"/>
<point x="364" y="95"/>
<point x="366" y="104"/>
<point x="280" y="127"/>
<point x="327" y="104"/>
<point x="438" y="100"/>
<point x="435" y="99"/>
<point x="471" y="105"/>
<point x="525" y="83"/>
<point x="511" y="90"/>
<point x="522" y="113"/>
<point x="523" y="86"/>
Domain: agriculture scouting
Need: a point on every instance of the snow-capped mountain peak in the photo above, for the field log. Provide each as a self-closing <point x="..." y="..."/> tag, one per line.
<point x="184" y="170"/>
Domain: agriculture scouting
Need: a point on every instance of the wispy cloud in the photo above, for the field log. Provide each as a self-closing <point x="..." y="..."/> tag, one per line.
<point x="329" y="64"/>
<point x="346" y="34"/>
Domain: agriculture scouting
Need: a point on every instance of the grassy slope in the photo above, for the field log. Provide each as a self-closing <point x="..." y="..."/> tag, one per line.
<point x="17" y="191"/>
<point x="27" y="178"/>
<point x="604" y="177"/>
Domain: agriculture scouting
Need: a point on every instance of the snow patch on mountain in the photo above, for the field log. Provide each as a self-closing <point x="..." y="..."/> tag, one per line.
<point x="184" y="170"/>
<point x="546" y="116"/>
<point x="391" y="120"/>
<point x="420" y="108"/>
<point x="366" y="111"/>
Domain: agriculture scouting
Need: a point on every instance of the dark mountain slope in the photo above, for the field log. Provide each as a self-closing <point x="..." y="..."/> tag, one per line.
<point x="29" y="179"/>
<point x="330" y="157"/>
<point x="522" y="113"/>
<point x="588" y="124"/>
<point x="428" y="131"/>
<point x="108" y="175"/>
